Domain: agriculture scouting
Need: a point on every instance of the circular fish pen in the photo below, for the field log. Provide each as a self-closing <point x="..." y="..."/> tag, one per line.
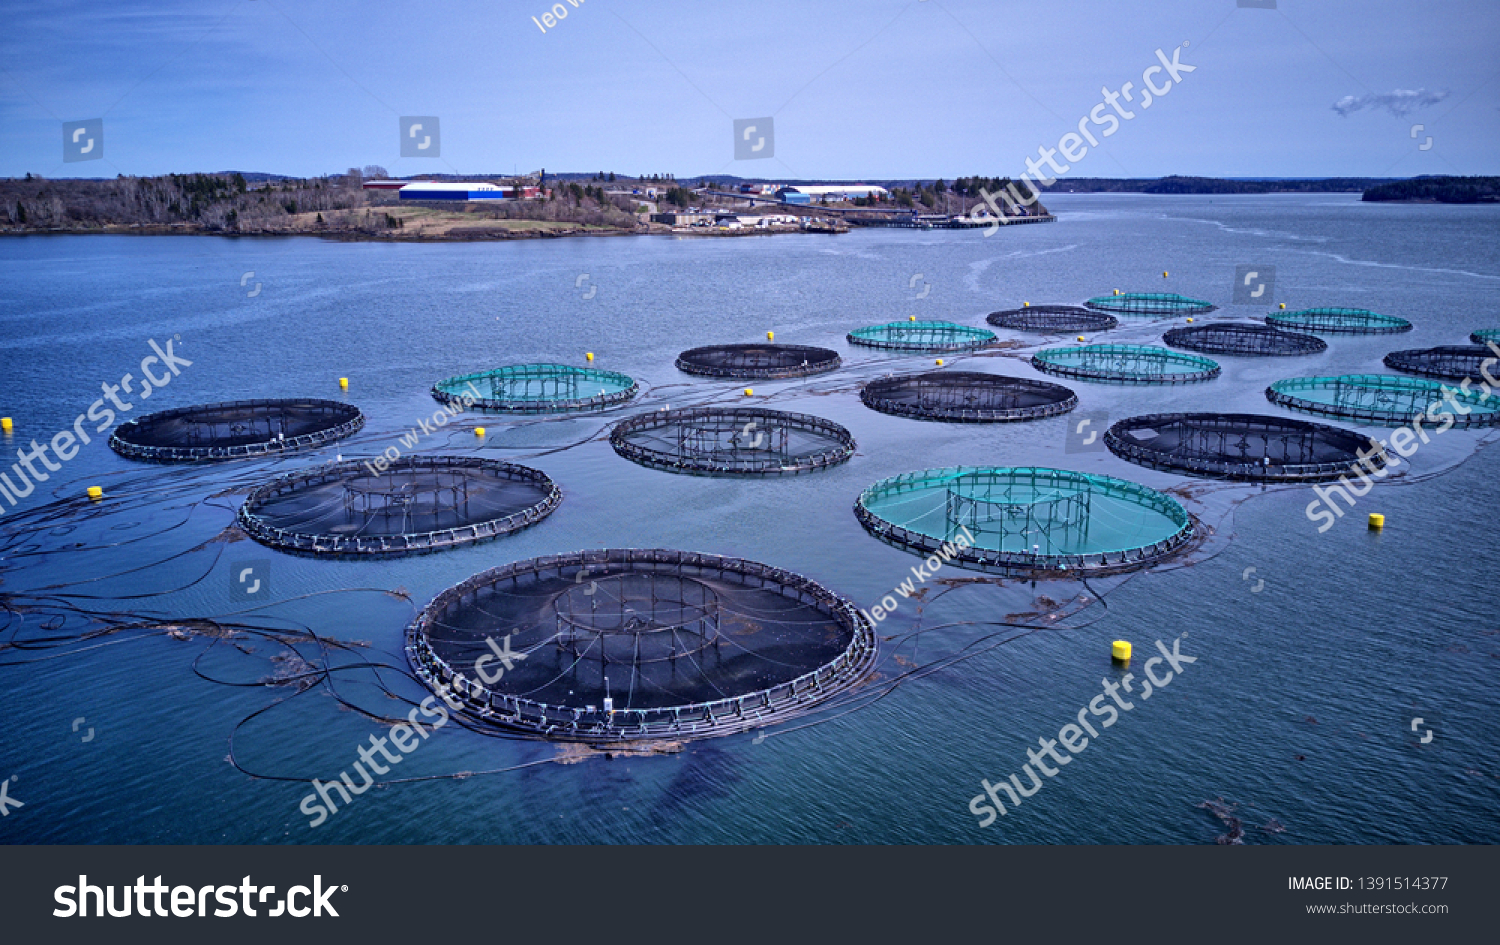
<point x="757" y="361"/>
<point x="1453" y="362"/>
<point x="1385" y="399"/>
<point x="636" y="644"/>
<point x="742" y="441"/>
<point x="967" y="397"/>
<point x="1348" y="321"/>
<point x="235" y="429"/>
<point x="1242" y="446"/>
<point x="921" y="336"/>
<point x="1024" y="519"/>
<point x="1244" y="340"/>
<point x="1149" y="303"/>
<point x="537" y="388"/>
<point x="1125" y="364"/>
<point x="1053" y="318"/>
<point x="1485" y="336"/>
<point x="415" y="504"/>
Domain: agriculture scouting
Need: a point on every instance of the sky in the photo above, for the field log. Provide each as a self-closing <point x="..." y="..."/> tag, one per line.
<point x="879" y="89"/>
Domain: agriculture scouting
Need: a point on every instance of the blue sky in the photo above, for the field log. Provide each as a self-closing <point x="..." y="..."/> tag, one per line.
<point x="876" y="89"/>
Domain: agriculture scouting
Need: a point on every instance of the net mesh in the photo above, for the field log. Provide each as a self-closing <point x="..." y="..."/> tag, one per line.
<point x="1241" y="446"/>
<point x="235" y="429"/>
<point x="1054" y="318"/>
<point x="414" y="504"/>
<point x="1149" y="303"/>
<point x="742" y="441"/>
<point x="1454" y="362"/>
<point x="1384" y="399"/>
<point x="921" y="336"/>
<point x="1125" y="364"/>
<point x="1025" y="518"/>
<point x="758" y="361"/>
<point x="1486" y="336"/>
<point x="1244" y="340"/>
<point x="1352" y="321"/>
<point x="967" y="396"/>
<point x="537" y="388"/>
<point x="622" y="644"/>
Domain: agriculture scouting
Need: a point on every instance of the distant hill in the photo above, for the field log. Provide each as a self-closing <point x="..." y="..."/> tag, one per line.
<point x="1438" y="190"/>
<point x="1215" y="185"/>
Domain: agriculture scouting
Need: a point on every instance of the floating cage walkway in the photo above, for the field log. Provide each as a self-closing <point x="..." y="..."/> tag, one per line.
<point x="1485" y="336"/>
<point x="758" y="361"/>
<point x="1149" y="303"/>
<point x="967" y="397"/>
<point x="1025" y="519"/>
<point x="537" y="388"/>
<point x="1244" y="340"/>
<point x="1125" y="364"/>
<point x="922" y="336"/>
<point x="1349" y="321"/>
<point x="625" y="645"/>
<point x="1242" y="446"/>
<point x="1453" y="362"/>
<point x="1053" y="318"/>
<point x="235" y="429"/>
<point x="743" y="441"/>
<point x="1384" y="399"/>
<point x="415" y="504"/>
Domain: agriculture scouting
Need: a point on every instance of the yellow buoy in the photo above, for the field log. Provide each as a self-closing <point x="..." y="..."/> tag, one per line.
<point x="1080" y="337"/>
<point x="1377" y="521"/>
<point x="479" y="431"/>
<point x="913" y="318"/>
<point x="6" y="425"/>
<point x="770" y="336"/>
<point x="1164" y="275"/>
<point x="343" y="383"/>
<point x="1117" y="292"/>
<point x="1120" y="651"/>
<point x="1026" y="305"/>
<point x="939" y="362"/>
<point x="749" y="392"/>
<point x="1283" y="305"/>
<point x="589" y="355"/>
<point x="1190" y="320"/>
<point x="95" y="492"/>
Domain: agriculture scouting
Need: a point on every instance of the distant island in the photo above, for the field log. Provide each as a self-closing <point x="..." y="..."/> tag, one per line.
<point x="1438" y="190"/>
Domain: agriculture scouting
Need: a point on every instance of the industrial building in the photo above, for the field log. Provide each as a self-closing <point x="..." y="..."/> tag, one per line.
<point x="806" y="193"/>
<point x="445" y="190"/>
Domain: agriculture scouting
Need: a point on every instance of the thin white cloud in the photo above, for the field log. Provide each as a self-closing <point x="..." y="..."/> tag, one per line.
<point x="1400" y="103"/>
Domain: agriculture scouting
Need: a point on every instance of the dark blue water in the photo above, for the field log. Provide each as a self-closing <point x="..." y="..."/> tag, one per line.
<point x="1299" y="708"/>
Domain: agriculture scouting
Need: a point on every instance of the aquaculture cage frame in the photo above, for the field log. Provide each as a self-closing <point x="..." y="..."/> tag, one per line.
<point x="922" y="336"/>
<point x="758" y="361"/>
<point x="1121" y="364"/>
<point x="1347" y="321"/>
<point x="1302" y="449"/>
<point x="1486" y="335"/>
<point x="739" y="712"/>
<point x="337" y="420"/>
<point x="967" y="397"/>
<point x="1232" y="338"/>
<point x="727" y="441"/>
<point x="1150" y="303"/>
<point x="1066" y="484"/>
<point x="461" y="469"/>
<point x="1360" y="396"/>
<point x="1451" y="362"/>
<point x="1053" y="318"/>
<point x="560" y="380"/>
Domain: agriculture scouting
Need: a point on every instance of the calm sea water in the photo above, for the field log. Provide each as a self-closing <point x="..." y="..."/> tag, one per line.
<point x="1299" y="708"/>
